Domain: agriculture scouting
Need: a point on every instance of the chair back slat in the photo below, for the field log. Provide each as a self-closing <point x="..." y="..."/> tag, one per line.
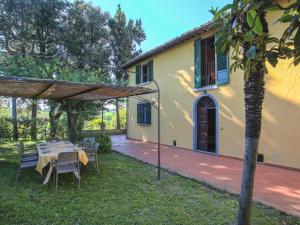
<point x="93" y="149"/>
<point x="22" y="147"/>
<point x="90" y="143"/>
<point x="67" y="158"/>
<point x="85" y="141"/>
<point x="19" y="148"/>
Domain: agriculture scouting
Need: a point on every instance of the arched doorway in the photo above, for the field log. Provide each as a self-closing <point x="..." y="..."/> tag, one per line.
<point x="205" y="124"/>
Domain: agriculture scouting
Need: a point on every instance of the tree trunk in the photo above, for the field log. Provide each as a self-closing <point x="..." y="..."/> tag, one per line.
<point x="14" y="118"/>
<point x="254" y="95"/>
<point x="69" y="124"/>
<point x="33" y="120"/>
<point x="254" y="89"/>
<point x="118" y="114"/>
<point x="54" y="117"/>
<point x="72" y="124"/>
<point x="53" y="124"/>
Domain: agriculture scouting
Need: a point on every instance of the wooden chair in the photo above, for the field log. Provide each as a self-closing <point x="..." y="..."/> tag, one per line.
<point x="92" y="154"/>
<point x="26" y="156"/>
<point x="67" y="162"/>
<point x="24" y="161"/>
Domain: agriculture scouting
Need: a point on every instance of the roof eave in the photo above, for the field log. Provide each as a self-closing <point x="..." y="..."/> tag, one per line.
<point x="169" y="44"/>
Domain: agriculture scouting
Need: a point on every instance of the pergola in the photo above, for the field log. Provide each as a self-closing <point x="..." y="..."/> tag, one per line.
<point x="65" y="90"/>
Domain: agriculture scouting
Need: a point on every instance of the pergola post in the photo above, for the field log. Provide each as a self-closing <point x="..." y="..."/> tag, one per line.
<point x="158" y="121"/>
<point x="158" y="130"/>
<point x="158" y="124"/>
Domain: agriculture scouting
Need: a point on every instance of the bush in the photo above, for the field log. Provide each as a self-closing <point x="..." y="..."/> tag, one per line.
<point x="5" y="128"/>
<point x="43" y="127"/>
<point x="104" y="141"/>
<point x="24" y="126"/>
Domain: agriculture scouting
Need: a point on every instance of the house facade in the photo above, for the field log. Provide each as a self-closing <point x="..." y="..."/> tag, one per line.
<point x="202" y="102"/>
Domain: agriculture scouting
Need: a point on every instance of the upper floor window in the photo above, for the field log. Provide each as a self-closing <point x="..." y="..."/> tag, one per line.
<point x="208" y="74"/>
<point x="144" y="72"/>
<point x="211" y="66"/>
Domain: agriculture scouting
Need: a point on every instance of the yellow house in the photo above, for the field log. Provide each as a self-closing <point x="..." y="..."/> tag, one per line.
<point x="202" y="105"/>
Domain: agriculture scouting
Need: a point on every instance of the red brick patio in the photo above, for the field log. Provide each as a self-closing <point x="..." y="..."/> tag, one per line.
<point x="276" y="187"/>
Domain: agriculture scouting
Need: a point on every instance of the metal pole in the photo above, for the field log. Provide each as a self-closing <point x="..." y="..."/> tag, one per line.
<point x="158" y="131"/>
<point x="158" y="125"/>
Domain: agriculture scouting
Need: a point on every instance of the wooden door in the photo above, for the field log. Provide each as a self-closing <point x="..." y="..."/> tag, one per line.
<point x="202" y="142"/>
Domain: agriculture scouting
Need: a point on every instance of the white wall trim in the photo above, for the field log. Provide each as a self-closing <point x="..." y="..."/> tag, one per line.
<point x="210" y="87"/>
<point x="144" y="83"/>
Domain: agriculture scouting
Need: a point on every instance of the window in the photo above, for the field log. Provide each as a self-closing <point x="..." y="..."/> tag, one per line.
<point x="145" y="75"/>
<point x="208" y="62"/>
<point x="211" y="65"/>
<point x="144" y="72"/>
<point x="144" y="113"/>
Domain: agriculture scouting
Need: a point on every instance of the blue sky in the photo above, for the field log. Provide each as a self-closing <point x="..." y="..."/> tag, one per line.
<point x="164" y="19"/>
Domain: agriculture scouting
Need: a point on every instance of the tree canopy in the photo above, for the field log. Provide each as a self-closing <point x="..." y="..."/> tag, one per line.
<point x="125" y="39"/>
<point x="66" y="40"/>
<point x="242" y="25"/>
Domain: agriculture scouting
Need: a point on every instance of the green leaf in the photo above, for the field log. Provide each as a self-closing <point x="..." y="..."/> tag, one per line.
<point x="254" y="22"/>
<point x="213" y="10"/>
<point x="247" y="36"/>
<point x="273" y="8"/>
<point x="223" y="10"/>
<point x="273" y="60"/>
<point x="221" y="42"/>
<point x="297" y="61"/>
<point x="250" y="18"/>
<point x="285" y="18"/>
<point x="251" y="53"/>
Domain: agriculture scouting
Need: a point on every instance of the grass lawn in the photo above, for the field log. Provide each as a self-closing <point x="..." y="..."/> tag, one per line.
<point x="126" y="192"/>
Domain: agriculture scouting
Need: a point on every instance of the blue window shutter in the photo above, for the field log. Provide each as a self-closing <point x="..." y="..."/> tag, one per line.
<point x="150" y="70"/>
<point x="138" y="113"/>
<point x="138" y="74"/>
<point x="148" y="113"/>
<point x="222" y="69"/>
<point x="143" y="113"/>
<point x="197" y="62"/>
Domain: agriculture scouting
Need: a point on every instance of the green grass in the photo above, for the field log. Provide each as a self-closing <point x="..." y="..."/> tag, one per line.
<point x="126" y="192"/>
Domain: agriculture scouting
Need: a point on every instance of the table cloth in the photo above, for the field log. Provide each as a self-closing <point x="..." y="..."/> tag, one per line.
<point x="49" y="151"/>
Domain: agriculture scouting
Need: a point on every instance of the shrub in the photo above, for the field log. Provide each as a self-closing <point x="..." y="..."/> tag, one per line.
<point x="24" y="125"/>
<point x="104" y="141"/>
<point x="5" y="128"/>
<point x="42" y="127"/>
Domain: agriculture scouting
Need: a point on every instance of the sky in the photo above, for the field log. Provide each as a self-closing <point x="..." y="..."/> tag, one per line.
<point x="163" y="19"/>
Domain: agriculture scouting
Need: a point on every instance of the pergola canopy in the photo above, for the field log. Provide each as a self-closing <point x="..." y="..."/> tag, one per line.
<point x="65" y="90"/>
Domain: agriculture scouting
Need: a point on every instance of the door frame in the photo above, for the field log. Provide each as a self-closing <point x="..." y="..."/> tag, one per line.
<point x="195" y="122"/>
